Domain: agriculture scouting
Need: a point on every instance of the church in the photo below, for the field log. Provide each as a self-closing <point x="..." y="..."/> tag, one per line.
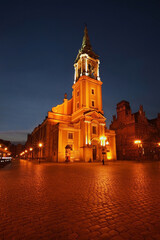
<point x="76" y="129"/>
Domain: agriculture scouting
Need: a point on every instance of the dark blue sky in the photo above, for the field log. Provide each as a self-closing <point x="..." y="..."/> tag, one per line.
<point x="39" y="41"/>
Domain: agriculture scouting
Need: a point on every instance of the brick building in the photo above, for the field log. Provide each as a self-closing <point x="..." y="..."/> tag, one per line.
<point x="76" y="129"/>
<point x="135" y="126"/>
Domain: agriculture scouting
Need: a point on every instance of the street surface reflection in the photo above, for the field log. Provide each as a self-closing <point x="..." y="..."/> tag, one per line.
<point x="119" y="200"/>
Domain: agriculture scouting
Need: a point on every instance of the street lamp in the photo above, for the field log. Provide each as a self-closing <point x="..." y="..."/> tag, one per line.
<point x="103" y="142"/>
<point x="103" y="139"/>
<point x="31" y="149"/>
<point x="22" y="153"/>
<point x="139" y="145"/>
<point x="26" y="153"/>
<point x="138" y="142"/>
<point x="158" y="149"/>
<point x="40" y="145"/>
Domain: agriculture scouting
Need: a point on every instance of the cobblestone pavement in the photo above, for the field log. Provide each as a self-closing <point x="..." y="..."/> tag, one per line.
<point x="120" y="200"/>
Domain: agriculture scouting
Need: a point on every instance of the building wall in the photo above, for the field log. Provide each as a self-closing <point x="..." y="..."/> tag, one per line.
<point x="132" y="126"/>
<point x="64" y="140"/>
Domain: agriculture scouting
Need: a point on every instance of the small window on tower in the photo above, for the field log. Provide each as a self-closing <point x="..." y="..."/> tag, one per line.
<point x="92" y="103"/>
<point x="92" y="91"/>
<point x="70" y="135"/>
<point x="94" y="129"/>
<point x="77" y="93"/>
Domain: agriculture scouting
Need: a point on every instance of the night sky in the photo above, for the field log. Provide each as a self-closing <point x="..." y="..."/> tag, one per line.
<point x="39" y="41"/>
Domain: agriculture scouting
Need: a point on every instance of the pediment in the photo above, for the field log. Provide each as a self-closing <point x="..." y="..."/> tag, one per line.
<point x="95" y="115"/>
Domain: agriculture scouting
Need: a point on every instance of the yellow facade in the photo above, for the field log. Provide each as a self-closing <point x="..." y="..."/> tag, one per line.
<point x="76" y="129"/>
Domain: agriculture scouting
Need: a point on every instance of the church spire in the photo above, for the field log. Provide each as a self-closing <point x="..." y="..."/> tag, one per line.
<point x="86" y="41"/>
<point x="86" y="47"/>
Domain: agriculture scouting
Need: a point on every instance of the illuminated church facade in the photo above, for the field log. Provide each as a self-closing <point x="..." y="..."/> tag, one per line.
<point x="76" y="130"/>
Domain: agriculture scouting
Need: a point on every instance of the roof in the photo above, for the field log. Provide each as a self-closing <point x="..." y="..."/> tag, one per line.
<point x="86" y="47"/>
<point x="123" y="102"/>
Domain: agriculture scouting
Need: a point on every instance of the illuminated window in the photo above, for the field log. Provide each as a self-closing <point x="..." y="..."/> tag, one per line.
<point x="77" y="93"/>
<point x="77" y="105"/>
<point x="92" y="103"/>
<point x="70" y="135"/>
<point x="94" y="130"/>
<point x="92" y="90"/>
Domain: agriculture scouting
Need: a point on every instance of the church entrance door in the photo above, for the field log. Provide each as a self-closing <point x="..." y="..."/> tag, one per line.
<point x="94" y="152"/>
<point x="68" y="150"/>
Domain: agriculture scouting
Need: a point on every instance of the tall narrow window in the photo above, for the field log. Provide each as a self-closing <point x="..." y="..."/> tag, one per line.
<point x="77" y="93"/>
<point x="92" y="91"/>
<point x="94" y="129"/>
<point x="92" y="103"/>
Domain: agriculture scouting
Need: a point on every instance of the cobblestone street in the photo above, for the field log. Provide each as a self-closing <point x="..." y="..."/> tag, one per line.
<point x="120" y="200"/>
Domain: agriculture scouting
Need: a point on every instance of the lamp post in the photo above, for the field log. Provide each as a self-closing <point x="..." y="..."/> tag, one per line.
<point x="26" y="153"/>
<point x="158" y="149"/>
<point x="40" y="145"/>
<point x="31" y="149"/>
<point x="139" y="145"/>
<point x="103" y="143"/>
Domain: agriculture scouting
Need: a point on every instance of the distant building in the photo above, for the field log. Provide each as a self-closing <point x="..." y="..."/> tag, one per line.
<point x="14" y="149"/>
<point x="4" y="149"/>
<point x="17" y="149"/>
<point x="130" y="127"/>
<point x="76" y="129"/>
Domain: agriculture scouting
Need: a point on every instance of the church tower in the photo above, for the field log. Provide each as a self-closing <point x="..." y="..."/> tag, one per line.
<point x="87" y="101"/>
<point x="87" y="93"/>
<point x="86" y="62"/>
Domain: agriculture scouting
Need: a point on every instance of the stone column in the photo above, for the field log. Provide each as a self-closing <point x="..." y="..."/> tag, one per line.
<point x="76" y="70"/>
<point x="98" y="78"/>
<point x="89" y="132"/>
<point x="74" y="74"/>
<point x="86" y="66"/>
<point x="81" y="66"/>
